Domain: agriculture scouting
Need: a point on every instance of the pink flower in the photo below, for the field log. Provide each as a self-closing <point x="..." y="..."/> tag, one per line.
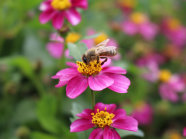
<point x="184" y="132"/>
<point x="169" y="90"/>
<point x="104" y="118"/>
<point x="143" y="113"/>
<point x="56" y="46"/>
<point x="138" y="23"/>
<point x="58" y="10"/>
<point x="174" y="31"/>
<point x="79" y="76"/>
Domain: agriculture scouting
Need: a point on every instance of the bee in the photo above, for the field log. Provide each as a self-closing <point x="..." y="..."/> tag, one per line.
<point x="99" y="51"/>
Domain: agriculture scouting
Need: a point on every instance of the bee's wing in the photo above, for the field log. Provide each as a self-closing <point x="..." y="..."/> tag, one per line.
<point x="103" y="43"/>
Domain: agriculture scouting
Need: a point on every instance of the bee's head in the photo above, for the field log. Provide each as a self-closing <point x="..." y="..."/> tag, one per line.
<point x="84" y="58"/>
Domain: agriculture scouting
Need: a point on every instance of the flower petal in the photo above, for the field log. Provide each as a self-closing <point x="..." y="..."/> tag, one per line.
<point x="127" y="123"/>
<point x="71" y="64"/>
<point x="81" y="125"/>
<point x="86" y="114"/>
<point x="129" y="28"/>
<point x="116" y="135"/>
<point x="58" y="20"/>
<point x="73" y="16"/>
<point x="76" y="86"/>
<point x="119" y="114"/>
<point x="121" y="83"/>
<point x="101" y="107"/>
<point x="55" y="49"/>
<point x="96" y="134"/>
<point x="116" y="70"/>
<point x="80" y="3"/>
<point x="110" y="134"/>
<point x="45" y="16"/>
<point x="100" y="82"/>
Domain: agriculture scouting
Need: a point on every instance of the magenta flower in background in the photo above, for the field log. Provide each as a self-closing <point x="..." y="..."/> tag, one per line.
<point x="79" y="76"/>
<point x="58" y="10"/>
<point x="184" y="132"/>
<point x="127" y="6"/>
<point x="170" y="90"/>
<point x="104" y="118"/>
<point x="174" y="31"/>
<point x="143" y="113"/>
<point x="138" y="23"/>
<point x="56" y="46"/>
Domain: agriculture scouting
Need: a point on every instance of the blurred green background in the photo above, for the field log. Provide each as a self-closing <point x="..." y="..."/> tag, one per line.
<point x="32" y="108"/>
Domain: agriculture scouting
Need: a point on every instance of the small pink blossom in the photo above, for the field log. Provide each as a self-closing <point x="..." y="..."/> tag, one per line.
<point x="99" y="79"/>
<point x="169" y="90"/>
<point x="174" y="31"/>
<point x="138" y="23"/>
<point x="184" y="132"/>
<point x="57" y="11"/>
<point x="143" y="113"/>
<point x="55" y="46"/>
<point x="104" y="128"/>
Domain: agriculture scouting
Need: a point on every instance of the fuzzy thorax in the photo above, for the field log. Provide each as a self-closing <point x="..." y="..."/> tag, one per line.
<point x="61" y="4"/>
<point x="102" y="118"/>
<point x="93" y="68"/>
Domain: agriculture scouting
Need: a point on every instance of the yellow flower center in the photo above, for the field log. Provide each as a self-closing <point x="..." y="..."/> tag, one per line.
<point x="164" y="75"/>
<point x="128" y="3"/>
<point x="89" y="69"/>
<point x="61" y="4"/>
<point x="102" y="118"/>
<point x="73" y="37"/>
<point x="138" y="18"/>
<point x="100" y="38"/>
<point x="173" y="24"/>
<point x="175" y="135"/>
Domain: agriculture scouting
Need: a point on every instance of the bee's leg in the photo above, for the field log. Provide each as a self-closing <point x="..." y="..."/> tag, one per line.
<point x="104" y="60"/>
<point x="97" y="59"/>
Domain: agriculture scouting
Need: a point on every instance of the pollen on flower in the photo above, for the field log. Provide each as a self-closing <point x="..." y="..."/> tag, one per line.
<point x="73" y="37"/>
<point x="138" y="18"/>
<point x="100" y="38"/>
<point x="61" y="4"/>
<point x="102" y="118"/>
<point x="173" y="24"/>
<point x="89" y="69"/>
<point x="164" y="75"/>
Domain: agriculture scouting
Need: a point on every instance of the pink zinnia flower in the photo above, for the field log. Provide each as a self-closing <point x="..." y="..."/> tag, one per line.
<point x="138" y="23"/>
<point x="143" y="113"/>
<point x="169" y="89"/>
<point x="184" y="132"/>
<point x="174" y="31"/>
<point x="79" y="76"/>
<point x="104" y="118"/>
<point x="56" y="46"/>
<point x="58" y="10"/>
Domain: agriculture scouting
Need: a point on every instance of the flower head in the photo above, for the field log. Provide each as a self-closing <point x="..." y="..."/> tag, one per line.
<point x="143" y="113"/>
<point x="184" y="132"/>
<point x="104" y="118"/>
<point x="55" y="46"/>
<point x="58" y="10"/>
<point x="138" y="23"/>
<point x="79" y="76"/>
<point x="174" y="31"/>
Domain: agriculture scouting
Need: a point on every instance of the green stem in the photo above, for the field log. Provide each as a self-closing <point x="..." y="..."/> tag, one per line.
<point x="93" y="98"/>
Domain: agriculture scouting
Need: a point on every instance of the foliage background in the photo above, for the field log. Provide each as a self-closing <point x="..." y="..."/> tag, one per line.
<point x="30" y="106"/>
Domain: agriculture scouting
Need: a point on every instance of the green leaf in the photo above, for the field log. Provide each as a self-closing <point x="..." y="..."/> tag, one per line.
<point x="124" y="133"/>
<point x="77" y="50"/>
<point x="27" y="107"/>
<point x="90" y="36"/>
<point x="39" y="135"/>
<point x="46" y="112"/>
